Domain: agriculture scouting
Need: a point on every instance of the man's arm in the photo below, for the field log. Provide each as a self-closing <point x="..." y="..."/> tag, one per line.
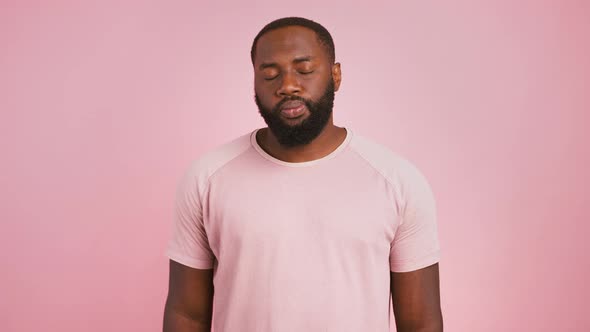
<point x="189" y="303"/>
<point x="416" y="300"/>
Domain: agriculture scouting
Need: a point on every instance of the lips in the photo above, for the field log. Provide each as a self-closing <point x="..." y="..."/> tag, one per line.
<point x="292" y="109"/>
<point x="292" y="104"/>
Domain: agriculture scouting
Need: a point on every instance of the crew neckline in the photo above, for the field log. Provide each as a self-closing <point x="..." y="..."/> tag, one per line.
<point x="327" y="157"/>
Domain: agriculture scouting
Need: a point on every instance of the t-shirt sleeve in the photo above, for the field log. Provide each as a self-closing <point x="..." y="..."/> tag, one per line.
<point x="415" y="244"/>
<point x="189" y="244"/>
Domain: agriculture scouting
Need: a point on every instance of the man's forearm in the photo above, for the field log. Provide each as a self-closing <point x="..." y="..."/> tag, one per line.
<point x="175" y="321"/>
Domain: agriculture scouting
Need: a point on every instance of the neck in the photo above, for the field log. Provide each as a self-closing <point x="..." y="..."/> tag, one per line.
<point x="327" y="141"/>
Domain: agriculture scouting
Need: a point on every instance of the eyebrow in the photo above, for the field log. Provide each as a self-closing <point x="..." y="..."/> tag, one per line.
<point x="296" y="60"/>
<point x="303" y="59"/>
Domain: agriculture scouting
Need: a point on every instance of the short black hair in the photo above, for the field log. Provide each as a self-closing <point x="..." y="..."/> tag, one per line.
<point x="322" y="33"/>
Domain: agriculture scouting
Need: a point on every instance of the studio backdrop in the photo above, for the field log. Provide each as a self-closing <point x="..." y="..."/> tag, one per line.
<point x="105" y="103"/>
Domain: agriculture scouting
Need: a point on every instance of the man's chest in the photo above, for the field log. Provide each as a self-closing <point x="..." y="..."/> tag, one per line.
<point x="251" y="213"/>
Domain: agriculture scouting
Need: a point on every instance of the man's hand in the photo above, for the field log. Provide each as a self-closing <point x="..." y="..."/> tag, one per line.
<point x="416" y="300"/>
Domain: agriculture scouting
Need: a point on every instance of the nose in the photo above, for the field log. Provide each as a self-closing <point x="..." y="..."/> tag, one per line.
<point x="289" y="86"/>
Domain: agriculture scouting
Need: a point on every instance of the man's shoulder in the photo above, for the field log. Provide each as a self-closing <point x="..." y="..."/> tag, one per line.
<point x="213" y="159"/>
<point x="396" y="168"/>
<point x="378" y="154"/>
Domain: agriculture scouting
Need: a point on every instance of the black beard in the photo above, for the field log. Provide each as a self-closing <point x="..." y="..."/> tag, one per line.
<point x="306" y="131"/>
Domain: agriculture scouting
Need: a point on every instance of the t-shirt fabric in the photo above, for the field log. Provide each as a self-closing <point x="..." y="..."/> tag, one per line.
<point x="305" y="246"/>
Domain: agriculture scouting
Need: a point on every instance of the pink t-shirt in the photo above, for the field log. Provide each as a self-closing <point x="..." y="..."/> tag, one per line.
<point x="303" y="246"/>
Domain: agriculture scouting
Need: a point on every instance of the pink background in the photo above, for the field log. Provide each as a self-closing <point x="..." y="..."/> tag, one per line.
<point x="104" y="105"/>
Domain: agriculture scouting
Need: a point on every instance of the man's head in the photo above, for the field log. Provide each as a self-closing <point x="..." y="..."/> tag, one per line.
<point x="295" y="78"/>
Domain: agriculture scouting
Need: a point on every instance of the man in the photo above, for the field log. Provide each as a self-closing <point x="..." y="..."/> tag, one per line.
<point x="303" y="225"/>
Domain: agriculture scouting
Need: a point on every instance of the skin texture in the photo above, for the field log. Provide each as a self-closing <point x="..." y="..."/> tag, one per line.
<point x="189" y="303"/>
<point x="291" y="62"/>
<point x="416" y="300"/>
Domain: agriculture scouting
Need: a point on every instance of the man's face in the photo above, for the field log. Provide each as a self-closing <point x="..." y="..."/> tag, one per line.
<point x="294" y="83"/>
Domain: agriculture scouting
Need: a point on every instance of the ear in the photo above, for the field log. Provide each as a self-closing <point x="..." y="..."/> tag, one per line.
<point x="336" y="75"/>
